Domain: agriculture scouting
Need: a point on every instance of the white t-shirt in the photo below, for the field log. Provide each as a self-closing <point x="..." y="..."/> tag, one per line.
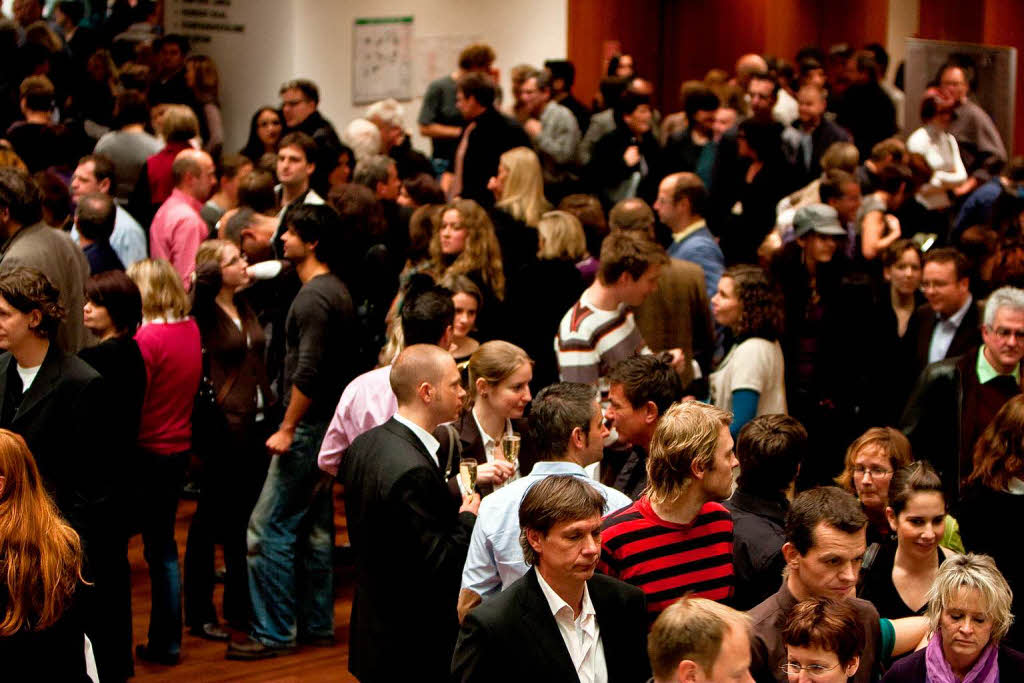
<point x="754" y="364"/>
<point x="28" y="375"/>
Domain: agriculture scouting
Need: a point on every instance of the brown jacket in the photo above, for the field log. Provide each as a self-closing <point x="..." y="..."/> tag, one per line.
<point x="678" y="315"/>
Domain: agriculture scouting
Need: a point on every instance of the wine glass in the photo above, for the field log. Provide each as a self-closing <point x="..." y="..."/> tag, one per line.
<point x="467" y="473"/>
<point x="510" y="443"/>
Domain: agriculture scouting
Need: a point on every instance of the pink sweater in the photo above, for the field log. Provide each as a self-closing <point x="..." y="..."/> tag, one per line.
<point x="173" y="356"/>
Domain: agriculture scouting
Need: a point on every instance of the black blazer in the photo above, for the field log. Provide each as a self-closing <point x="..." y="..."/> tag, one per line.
<point x="520" y="616"/>
<point x="60" y="419"/>
<point x="922" y="324"/>
<point x="493" y="135"/>
<point x="410" y="544"/>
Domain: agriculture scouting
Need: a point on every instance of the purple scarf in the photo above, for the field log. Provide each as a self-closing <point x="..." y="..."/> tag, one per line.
<point x="985" y="670"/>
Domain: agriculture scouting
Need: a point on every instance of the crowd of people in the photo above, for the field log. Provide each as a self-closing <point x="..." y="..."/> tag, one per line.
<point x="727" y="393"/>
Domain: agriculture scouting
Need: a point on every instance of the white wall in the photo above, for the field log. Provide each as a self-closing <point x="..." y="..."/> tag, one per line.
<point x="518" y="31"/>
<point x="286" y="39"/>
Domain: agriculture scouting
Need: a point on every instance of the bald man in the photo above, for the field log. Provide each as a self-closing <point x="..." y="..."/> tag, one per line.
<point x="409" y="537"/>
<point x="178" y="228"/>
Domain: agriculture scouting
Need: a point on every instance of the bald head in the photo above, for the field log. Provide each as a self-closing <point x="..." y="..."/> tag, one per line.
<point x="417" y="365"/>
<point x="747" y="65"/>
<point x="194" y="173"/>
<point x="632" y="214"/>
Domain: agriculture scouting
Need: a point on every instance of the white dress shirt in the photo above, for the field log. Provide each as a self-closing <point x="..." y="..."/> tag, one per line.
<point x="425" y="437"/>
<point x="581" y="635"/>
<point x="945" y="330"/>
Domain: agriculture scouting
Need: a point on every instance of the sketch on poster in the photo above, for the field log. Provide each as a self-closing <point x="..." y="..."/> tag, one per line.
<point x="382" y="59"/>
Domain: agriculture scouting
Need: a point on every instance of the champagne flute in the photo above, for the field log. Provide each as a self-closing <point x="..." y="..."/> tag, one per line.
<point x="510" y="447"/>
<point x="467" y="472"/>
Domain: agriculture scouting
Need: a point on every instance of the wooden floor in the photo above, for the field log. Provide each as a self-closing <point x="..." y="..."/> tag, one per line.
<point x="202" y="661"/>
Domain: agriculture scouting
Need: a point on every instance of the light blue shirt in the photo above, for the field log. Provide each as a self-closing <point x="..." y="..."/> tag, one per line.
<point x="495" y="558"/>
<point x="128" y="240"/>
<point x="945" y="330"/>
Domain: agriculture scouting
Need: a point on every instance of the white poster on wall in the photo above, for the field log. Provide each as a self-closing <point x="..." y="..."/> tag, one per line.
<point x="382" y="59"/>
<point x="438" y="56"/>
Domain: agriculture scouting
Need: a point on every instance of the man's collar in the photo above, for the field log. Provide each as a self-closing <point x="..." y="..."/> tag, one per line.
<point x="763" y="507"/>
<point x="689" y="230"/>
<point x="548" y="467"/>
<point x="958" y="317"/>
<point x="429" y="442"/>
<point x="986" y="372"/>
<point x="556" y="603"/>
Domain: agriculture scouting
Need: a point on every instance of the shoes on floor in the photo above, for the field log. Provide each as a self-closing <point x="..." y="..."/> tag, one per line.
<point x="319" y="641"/>
<point x="211" y="630"/>
<point x="144" y="653"/>
<point x="251" y="649"/>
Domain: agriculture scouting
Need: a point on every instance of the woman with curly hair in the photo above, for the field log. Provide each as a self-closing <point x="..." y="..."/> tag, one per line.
<point x="464" y="243"/>
<point x="41" y="637"/>
<point x="994" y="500"/>
<point x="751" y="378"/>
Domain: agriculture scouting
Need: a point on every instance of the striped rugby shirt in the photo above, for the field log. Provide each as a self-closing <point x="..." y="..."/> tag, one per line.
<point x="667" y="560"/>
<point x="590" y="342"/>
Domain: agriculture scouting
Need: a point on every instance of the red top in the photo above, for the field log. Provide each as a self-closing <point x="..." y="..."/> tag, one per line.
<point x="666" y="560"/>
<point x="158" y="172"/>
<point x="174" y="366"/>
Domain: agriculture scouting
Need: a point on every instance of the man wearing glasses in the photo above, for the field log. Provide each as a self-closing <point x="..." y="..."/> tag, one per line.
<point x="955" y="399"/>
<point x="299" y="101"/>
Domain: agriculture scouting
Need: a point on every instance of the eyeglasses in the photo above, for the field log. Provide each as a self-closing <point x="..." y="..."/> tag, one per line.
<point x="813" y="670"/>
<point x="1005" y="334"/>
<point x="875" y="472"/>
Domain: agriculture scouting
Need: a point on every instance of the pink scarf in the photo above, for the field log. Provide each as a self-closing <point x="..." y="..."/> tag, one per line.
<point x="985" y="670"/>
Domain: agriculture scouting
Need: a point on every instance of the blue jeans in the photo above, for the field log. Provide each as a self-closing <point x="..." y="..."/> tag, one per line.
<point x="163" y="477"/>
<point x="291" y="539"/>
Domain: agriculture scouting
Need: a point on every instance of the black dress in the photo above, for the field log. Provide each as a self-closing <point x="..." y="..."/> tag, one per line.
<point x="877" y="587"/>
<point x="539" y="294"/>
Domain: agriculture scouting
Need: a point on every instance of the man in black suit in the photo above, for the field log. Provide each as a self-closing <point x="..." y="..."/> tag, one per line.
<point x="560" y="622"/>
<point x="52" y="400"/>
<point x="488" y="134"/>
<point x="409" y="536"/>
<point x="948" y="325"/>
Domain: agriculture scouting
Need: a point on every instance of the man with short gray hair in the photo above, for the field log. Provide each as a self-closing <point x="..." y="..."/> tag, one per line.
<point x="567" y="623"/>
<point x="380" y="174"/>
<point x="389" y="117"/>
<point x="956" y="398"/>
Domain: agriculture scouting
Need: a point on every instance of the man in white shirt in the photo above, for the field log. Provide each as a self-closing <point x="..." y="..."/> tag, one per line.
<point x="95" y="173"/>
<point x="567" y="428"/>
<point x="560" y="622"/>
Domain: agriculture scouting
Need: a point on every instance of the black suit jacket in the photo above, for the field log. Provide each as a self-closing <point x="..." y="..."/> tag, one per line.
<point x="514" y="637"/>
<point x="59" y="417"/>
<point x="922" y="324"/>
<point x="410" y="544"/>
<point x="493" y="135"/>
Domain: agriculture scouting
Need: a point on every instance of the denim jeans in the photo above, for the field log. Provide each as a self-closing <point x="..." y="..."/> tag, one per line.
<point x="291" y="539"/>
<point x="163" y="477"/>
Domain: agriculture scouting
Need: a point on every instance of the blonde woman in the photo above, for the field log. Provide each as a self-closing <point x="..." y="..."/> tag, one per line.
<point x="543" y="290"/>
<point x="171" y="348"/>
<point x="519" y="193"/>
<point x="41" y="556"/>
<point x="499" y="390"/>
<point x="464" y="243"/>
